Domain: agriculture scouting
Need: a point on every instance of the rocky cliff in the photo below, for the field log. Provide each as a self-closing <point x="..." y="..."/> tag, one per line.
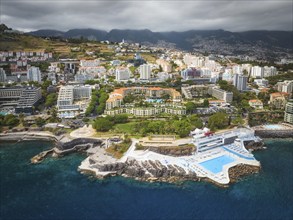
<point x="238" y="171"/>
<point x="146" y="170"/>
<point x="253" y="145"/>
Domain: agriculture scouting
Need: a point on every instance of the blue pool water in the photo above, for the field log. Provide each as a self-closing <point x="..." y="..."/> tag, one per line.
<point x="215" y="165"/>
<point x="154" y="100"/>
<point x="239" y="155"/>
<point x="3" y="113"/>
<point x="273" y="127"/>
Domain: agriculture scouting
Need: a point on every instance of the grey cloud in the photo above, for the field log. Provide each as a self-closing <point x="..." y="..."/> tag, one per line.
<point x="154" y="15"/>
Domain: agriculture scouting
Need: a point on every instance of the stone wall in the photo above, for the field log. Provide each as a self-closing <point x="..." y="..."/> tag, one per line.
<point x="175" y="151"/>
<point x="78" y="141"/>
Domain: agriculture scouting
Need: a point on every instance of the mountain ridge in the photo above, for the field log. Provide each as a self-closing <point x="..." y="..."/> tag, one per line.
<point x="199" y="40"/>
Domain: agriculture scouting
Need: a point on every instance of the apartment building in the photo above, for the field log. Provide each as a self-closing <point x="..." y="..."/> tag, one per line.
<point x="289" y="112"/>
<point x="34" y="74"/>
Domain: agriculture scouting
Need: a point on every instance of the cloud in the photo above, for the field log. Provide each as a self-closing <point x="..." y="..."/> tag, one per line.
<point x="144" y="14"/>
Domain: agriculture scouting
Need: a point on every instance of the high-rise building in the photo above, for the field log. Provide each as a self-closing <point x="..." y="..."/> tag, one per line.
<point x="122" y="73"/>
<point x="257" y="72"/>
<point x="289" y="112"/>
<point x="34" y="74"/>
<point x="227" y="76"/>
<point x="145" y="71"/>
<point x="190" y="73"/>
<point x="270" y="71"/>
<point x="2" y="75"/>
<point x="73" y="100"/>
<point x="205" y="73"/>
<point x="286" y="86"/>
<point x="240" y="82"/>
<point x="237" y="69"/>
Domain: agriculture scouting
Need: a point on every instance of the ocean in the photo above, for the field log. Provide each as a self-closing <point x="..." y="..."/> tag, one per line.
<point x="55" y="189"/>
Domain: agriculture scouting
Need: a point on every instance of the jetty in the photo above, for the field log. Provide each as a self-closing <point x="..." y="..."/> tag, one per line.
<point x="39" y="157"/>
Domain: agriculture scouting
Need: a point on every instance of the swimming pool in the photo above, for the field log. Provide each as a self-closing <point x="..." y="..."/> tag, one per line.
<point x="3" y="113"/>
<point x="215" y="165"/>
<point x="154" y="100"/>
<point x="273" y="127"/>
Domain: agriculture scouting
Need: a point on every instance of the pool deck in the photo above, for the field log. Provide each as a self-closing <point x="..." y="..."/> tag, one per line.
<point x="191" y="164"/>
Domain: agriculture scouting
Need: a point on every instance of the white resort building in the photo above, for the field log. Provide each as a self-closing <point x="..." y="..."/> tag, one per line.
<point x="73" y="100"/>
<point x="114" y="104"/>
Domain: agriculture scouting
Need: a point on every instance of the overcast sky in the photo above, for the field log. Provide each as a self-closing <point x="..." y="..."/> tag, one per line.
<point x="155" y="15"/>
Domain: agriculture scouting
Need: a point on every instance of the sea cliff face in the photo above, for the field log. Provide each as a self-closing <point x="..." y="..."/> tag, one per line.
<point x="147" y="170"/>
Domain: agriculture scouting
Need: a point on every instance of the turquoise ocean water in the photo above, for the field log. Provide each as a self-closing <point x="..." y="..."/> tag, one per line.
<point x="55" y="189"/>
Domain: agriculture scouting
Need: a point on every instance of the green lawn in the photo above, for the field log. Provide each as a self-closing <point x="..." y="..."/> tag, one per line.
<point x="127" y="128"/>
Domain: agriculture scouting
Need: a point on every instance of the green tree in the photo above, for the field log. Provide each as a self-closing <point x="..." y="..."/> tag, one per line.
<point x="51" y="100"/>
<point x="53" y="113"/>
<point x="103" y="124"/>
<point x="40" y="122"/>
<point x="218" y="120"/>
<point x="195" y="121"/>
<point x="206" y="103"/>
<point x="119" y="119"/>
<point x="182" y="128"/>
<point x="10" y="120"/>
<point x="100" y="109"/>
<point x="190" y="107"/>
<point x="129" y="98"/>
<point x="238" y="121"/>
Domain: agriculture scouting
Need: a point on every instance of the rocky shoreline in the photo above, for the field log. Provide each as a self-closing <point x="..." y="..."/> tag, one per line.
<point x="148" y="171"/>
<point x="154" y="171"/>
<point x="104" y="166"/>
<point x="241" y="170"/>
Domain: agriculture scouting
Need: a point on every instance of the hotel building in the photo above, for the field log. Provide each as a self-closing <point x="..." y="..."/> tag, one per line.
<point x="221" y="94"/>
<point x="19" y="99"/>
<point x="114" y="104"/>
<point x="73" y="100"/>
<point x="28" y="100"/>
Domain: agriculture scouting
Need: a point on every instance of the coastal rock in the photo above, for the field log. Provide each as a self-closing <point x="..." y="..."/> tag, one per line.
<point x="145" y="170"/>
<point x="253" y="145"/>
<point x="238" y="171"/>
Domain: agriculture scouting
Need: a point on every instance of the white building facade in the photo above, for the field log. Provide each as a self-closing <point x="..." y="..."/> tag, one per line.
<point x="145" y="71"/>
<point x="34" y="74"/>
